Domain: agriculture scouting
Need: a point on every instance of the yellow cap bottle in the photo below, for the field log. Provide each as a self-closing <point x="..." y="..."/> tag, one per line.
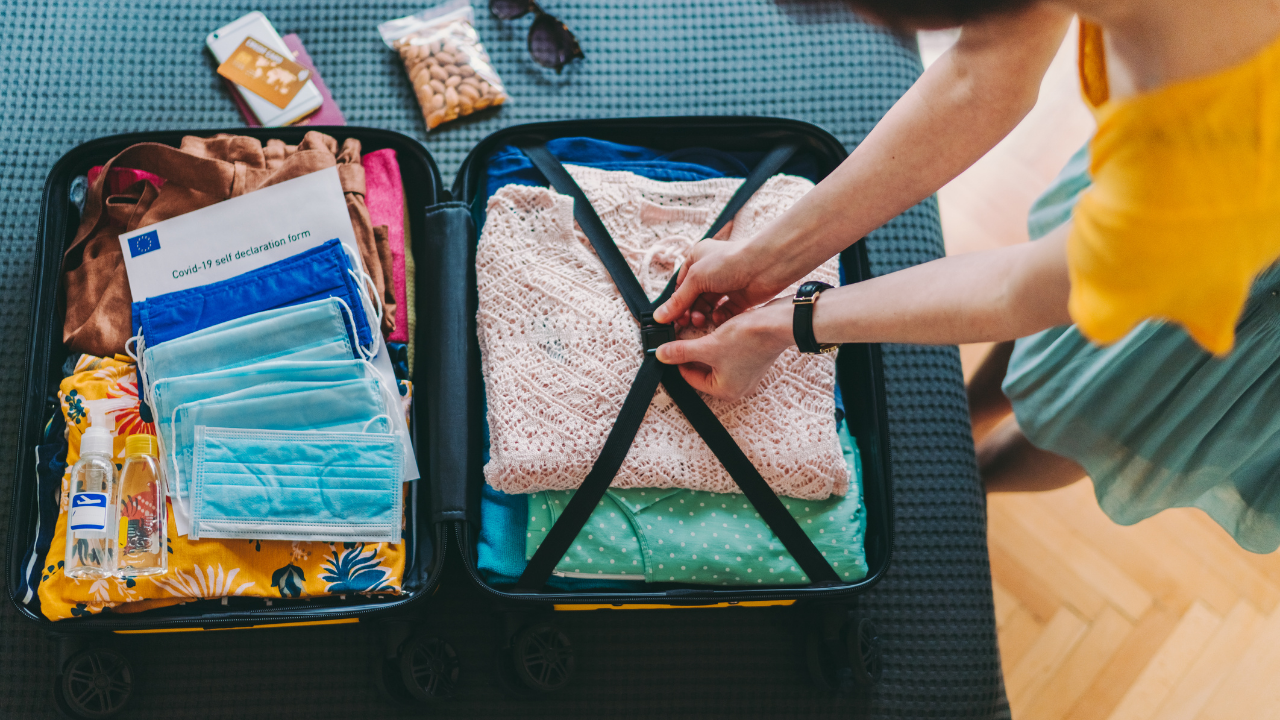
<point x="141" y="445"/>
<point x="142" y="511"/>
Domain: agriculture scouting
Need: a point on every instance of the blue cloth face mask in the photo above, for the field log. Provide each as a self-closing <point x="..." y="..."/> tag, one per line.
<point x="314" y="331"/>
<point x="170" y="393"/>
<point x="321" y="272"/>
<point x="351" y="406"/>
<point x="285" y="485"/>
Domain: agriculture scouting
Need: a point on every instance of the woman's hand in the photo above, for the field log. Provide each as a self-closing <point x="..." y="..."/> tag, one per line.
<point x="718" y="280"/>
<point x="730" y="362"/>
<point x="994" y="295"/>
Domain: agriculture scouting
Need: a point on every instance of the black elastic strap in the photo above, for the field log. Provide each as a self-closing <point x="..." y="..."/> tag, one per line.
<point x="768" y="166"/>
<point x="578" y="511"/>
<point x="766" y="502"/>
<point x="598" y="235"/>
<point x="546" y="163"/>
<point x="759" y="175"/>
<point x="588" y="495"/>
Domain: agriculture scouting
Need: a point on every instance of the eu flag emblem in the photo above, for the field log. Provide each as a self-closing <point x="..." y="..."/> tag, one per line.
<point x="144" y="243"/>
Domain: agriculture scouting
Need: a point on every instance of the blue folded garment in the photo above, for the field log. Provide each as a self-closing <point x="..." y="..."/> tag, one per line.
<point x="500" y="550"/>
<point x="320" y="272"/>
<point x="509" y="166"/>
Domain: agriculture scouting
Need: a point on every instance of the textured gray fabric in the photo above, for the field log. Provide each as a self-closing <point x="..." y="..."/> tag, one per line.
<point x="73" y="71"/>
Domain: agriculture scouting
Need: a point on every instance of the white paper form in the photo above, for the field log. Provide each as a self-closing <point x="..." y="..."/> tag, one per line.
<point x="237" y="235"/>
<point x="245" y="233"/>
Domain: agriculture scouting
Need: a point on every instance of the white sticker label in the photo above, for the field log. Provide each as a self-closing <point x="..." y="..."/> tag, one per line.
<point x="88" y="517"/>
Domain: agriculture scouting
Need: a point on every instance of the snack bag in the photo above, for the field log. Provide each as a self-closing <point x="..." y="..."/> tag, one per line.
<point x="448" y="67"/>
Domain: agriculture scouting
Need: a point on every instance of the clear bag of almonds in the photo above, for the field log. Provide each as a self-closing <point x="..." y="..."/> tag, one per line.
<point x="448" y="67"/>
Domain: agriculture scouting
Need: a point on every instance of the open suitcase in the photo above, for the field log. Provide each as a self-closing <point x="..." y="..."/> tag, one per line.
<point x="533" y="654"/>
<point x="84" y="651"/>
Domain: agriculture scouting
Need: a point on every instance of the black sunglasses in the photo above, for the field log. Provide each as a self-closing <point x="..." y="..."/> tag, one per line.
<point x="551" y="43"/>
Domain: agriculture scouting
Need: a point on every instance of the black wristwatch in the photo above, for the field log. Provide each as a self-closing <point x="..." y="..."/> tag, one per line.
<point x="802" y="318"/>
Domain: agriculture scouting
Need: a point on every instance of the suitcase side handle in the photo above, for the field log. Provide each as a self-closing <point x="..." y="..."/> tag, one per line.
<point x="447" y="415"/>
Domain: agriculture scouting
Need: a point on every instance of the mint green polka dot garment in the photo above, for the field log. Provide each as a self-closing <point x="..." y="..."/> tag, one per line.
<point x="686" y="536"/>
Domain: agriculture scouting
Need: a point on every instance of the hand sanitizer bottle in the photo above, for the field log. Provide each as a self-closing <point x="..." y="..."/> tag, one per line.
<point x="91" y="537"/>
<point x="142" y="511"/>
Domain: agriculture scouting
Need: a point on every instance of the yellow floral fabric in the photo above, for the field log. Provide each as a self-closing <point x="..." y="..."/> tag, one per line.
<point x="1184" y="211"/>
<point x="201" y="569"/>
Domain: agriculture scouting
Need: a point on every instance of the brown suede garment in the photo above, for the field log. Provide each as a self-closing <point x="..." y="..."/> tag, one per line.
<point x="203" y="171"/>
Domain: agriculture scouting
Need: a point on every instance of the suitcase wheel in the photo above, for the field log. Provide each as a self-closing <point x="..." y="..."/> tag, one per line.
<point x="539" y="659"/>
<point x="429" y="669"/>
<point x="94" y="683"/>
<point x="848" y="652"/>
<point x="423" y="671"/>
<point x="863" y="642"/>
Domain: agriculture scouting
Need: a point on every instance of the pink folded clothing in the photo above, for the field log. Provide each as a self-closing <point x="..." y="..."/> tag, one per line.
<point x="559" y="348"/>
<point x="384" y="196"/>
<point x="119" y="179"/>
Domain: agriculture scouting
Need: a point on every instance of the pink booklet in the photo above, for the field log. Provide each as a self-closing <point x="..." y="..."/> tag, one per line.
<point x="328" y="112"/>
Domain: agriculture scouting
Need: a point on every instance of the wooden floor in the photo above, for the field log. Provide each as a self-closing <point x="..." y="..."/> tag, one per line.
<point x="1166" y="619"/>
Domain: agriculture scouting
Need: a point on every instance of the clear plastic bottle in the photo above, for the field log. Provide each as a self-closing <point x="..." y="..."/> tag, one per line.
<point x="91" y="540"/>
<point x="141" y="510"/>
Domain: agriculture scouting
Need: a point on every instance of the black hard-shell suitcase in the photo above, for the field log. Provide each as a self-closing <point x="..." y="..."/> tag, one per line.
<point x="412" y="666"/>
<point x="533" y="654"/>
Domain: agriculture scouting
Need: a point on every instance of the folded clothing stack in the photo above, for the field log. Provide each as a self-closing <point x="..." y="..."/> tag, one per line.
<point x="198" y="569"/>
<point x="199" y="173"/>
<point x="559" y="350"/>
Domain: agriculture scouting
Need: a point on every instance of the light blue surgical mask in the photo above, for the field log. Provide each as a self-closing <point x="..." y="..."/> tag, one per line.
<point x="316" y="330"/>
<point x="350" y="406"/>
<point x="286" y="485"/>
<point x="170" y="393"/>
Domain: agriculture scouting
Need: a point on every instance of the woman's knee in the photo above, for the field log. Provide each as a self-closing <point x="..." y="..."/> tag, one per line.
<point x="988" y="405"/>
<point x="1008" y="462"/>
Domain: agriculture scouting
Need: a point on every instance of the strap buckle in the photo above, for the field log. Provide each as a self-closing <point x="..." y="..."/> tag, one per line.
<point x="653" y="335"/>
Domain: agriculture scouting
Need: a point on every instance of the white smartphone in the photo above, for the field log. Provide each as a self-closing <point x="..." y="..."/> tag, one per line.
<point x="224" y="41"/>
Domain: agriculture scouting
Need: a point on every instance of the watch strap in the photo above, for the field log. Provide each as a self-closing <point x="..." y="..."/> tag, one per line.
<point x="802" y="317"/>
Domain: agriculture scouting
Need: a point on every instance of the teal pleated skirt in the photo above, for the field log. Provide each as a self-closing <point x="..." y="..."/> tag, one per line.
<point x="1156" y="421"/>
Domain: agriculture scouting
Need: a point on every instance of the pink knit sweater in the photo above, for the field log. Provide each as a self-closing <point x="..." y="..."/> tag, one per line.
<point x="559" y="348"/>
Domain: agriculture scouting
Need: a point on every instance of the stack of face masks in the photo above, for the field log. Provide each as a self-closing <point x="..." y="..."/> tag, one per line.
<point x="273" y="422"/>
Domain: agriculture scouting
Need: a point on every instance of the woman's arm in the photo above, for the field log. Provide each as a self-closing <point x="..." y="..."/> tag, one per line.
<point x="984" y="296"/>
<point x="959" y="109"/>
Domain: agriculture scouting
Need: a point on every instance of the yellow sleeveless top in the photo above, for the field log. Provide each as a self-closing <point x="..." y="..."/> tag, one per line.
<point x="1184" y="211"/>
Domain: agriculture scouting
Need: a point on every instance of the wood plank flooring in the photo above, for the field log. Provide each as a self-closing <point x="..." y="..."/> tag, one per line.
<point x="1168" y="619"/>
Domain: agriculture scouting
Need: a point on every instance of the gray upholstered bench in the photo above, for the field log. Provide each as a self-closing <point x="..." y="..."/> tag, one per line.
<point x="70" y="74"/>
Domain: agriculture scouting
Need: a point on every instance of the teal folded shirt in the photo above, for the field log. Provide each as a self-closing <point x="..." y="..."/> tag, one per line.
<point x="688" y="536"/>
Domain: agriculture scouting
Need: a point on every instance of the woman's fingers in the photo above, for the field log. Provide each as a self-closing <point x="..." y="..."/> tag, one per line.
<point x="727" y="309"/>
<point x="698" y="376"/>
<point x="691" y="282"/>
<point x="700" y="363"/>
<point x="701" y="311"/>
<point x="680" y="301"/>
<point x="679" y="352"/>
